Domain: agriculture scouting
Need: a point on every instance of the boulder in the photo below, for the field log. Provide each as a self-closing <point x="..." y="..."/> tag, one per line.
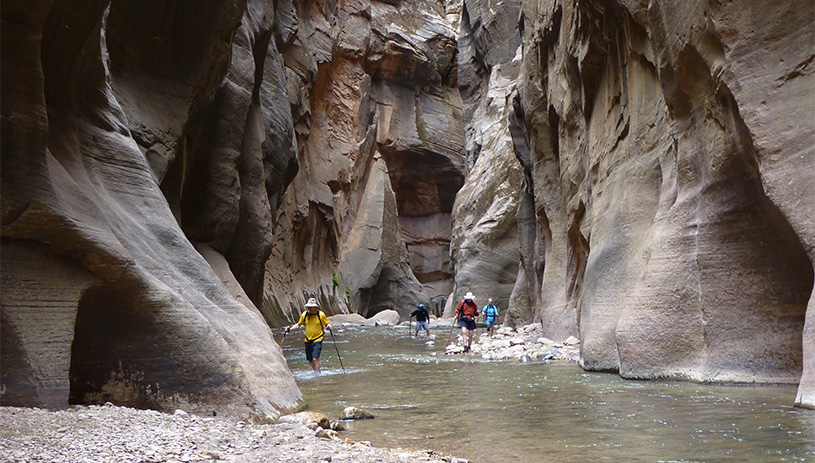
<point x="347" y="319"/>
<point x="571" y="341"/>
<point x="384" y="318"/>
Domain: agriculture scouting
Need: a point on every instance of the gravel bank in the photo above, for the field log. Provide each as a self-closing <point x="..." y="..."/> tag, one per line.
<point x="118" y="434"/>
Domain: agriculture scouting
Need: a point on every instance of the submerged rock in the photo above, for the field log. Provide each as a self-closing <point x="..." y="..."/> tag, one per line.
<point x="354" y="413"/>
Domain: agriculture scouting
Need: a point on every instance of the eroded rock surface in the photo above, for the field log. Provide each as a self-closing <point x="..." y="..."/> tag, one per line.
<point x="365" y="224"/>
<point x="120" y="121"/>
<point x="667" y="150"/>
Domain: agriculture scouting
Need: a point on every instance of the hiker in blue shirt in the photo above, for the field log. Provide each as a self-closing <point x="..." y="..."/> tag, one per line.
<point x="490" y="315"/>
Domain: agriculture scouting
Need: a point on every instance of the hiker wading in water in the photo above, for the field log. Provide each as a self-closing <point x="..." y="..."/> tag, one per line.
<point x="314" y="320"/>
<point x="467" y="310"/>
<point x="422" y="319"/>
<point x="490" y="315"/>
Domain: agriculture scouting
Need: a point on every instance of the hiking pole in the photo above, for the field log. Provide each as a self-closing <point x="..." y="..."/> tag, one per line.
<point x="285" y="332"/>
<point x="410" y="326"/>
<point x="333" y="341"/>
<point x="452" y="328"/>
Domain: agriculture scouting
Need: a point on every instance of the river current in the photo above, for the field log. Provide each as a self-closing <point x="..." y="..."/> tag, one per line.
<point x="508" y="411"/>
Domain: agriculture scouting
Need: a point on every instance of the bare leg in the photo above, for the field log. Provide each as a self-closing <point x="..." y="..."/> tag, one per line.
<point x="315" y="365"/>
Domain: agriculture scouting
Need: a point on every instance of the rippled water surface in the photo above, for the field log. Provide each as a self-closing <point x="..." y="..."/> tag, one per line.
<point x="507" y="411"/>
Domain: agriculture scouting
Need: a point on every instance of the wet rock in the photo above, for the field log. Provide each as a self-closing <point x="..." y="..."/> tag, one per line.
<point x="308" y="417"/>
<point x="454" y="349"/>
<point x="354" y="413"/>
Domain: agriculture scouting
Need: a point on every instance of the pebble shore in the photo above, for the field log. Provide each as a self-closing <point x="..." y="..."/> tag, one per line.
<point x="108" y="433"/>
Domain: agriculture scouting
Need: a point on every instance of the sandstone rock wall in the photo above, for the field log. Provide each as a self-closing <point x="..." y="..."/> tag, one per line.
<point x="666" y="210"/>
<point x="365" y="224"/>
<point x="128" y="131"/>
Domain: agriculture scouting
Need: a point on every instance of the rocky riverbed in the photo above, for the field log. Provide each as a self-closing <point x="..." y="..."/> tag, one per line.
<point x="525" y="343"/>
<point x="117" y="434"/>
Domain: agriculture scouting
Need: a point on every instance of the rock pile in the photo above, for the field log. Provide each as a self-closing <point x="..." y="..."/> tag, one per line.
<point x="526" y="343"/>
<point x="118" y="434"/>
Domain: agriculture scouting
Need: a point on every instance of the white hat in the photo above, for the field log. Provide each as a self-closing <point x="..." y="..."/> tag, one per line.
<point x="469" y="295"/>
<point x="312" y="303"/>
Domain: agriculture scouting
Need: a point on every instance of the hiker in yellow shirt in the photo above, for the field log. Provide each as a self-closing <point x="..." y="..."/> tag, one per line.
<point x="314" y="320"/>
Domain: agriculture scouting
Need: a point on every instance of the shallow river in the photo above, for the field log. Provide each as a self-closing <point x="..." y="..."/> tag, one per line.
<point x="507" y="411"/>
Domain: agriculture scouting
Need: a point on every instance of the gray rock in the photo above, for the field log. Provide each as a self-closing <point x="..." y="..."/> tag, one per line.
<point x="354" y="413"/>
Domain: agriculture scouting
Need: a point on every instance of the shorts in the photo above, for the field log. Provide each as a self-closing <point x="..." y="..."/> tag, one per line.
<point x="490" y="322"/>
<point x="468" y="323"/>
<point x="313" y="350"/>
<point x="422" y="326"/>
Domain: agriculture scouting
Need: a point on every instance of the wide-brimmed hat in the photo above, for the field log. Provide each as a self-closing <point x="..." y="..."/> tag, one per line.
<point x="312" y="303"/>
<point x="469" y="295"/>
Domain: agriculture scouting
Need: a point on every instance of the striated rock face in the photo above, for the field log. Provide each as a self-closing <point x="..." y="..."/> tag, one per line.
<point x="365" y="224"/>
<point x="119" y="122"/>
<point x="666" y="215"/>
<point x="485" y="222"/>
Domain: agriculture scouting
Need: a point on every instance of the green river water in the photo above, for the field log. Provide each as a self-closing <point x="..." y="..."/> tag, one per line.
<point x="507" y="411"/>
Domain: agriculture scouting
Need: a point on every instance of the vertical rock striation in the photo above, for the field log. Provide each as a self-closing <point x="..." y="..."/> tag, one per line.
<point x="104" y="296"/>
<point x="667" y="155"/>
<point x="365" y="224"/>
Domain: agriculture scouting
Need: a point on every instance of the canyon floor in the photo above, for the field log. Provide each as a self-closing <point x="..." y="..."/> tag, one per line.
<point x="117" y="434"/>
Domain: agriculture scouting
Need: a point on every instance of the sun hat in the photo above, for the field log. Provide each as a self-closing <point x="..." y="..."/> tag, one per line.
<point x="469" y="295"/>
<point x="312" y="303"/>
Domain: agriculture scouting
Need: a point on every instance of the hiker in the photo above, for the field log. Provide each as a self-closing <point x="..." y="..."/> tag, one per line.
<point x="422" y="319"/>
<point x="490" y="315"/>
<point x="314" y="320"/>
<point x="468" y="310"/>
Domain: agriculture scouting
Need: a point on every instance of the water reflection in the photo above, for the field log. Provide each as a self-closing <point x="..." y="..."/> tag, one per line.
<point x="508" y="411"/>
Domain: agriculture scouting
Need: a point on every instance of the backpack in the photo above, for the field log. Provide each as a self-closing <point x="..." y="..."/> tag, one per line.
<point x="319" y="322"/>
<point x="468" y="310"/>
<point x="490" y="311"/>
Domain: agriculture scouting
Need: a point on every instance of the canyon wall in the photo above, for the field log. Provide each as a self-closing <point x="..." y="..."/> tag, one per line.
<point x="665" y="216"/>
<point x="145" y="148"/>
<point x="365" y="225"/>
